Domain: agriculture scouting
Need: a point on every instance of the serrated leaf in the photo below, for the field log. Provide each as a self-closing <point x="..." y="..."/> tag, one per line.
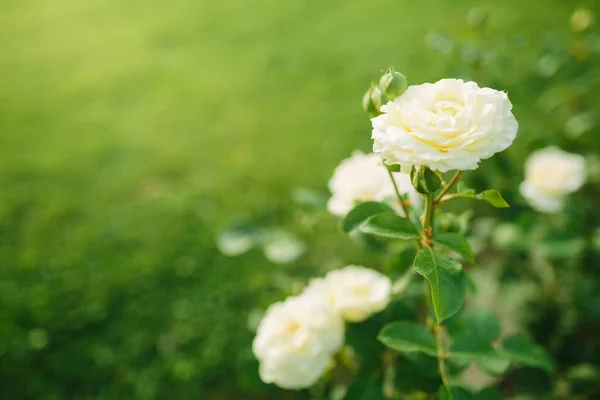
<point x="361" y="213"/>
<point x="389" y="225"/>
<point x="493" y="197"/>
<point x="456" y="242"/>
<point x="447" y="279"/>
<point x="408" y="337"/>
<point x="522" y="351"/>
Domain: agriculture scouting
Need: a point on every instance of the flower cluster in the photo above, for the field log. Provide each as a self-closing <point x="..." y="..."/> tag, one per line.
<point x="550" y="175"/>
<point x="296" y="339"/>
<point x="363" y="177"/>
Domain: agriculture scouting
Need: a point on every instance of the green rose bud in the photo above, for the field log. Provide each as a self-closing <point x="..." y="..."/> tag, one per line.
<point x="393" y="84"/>
<point x="425" y="181"/>
<point x="373" y="100"/>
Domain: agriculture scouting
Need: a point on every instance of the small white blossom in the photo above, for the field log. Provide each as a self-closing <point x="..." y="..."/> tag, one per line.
<point x="448" y="125"/>
<point x="550" y="175"/>
<point x="363" y="177"/>
<point x="295" y="341"/>
<point x="355" y="292"/>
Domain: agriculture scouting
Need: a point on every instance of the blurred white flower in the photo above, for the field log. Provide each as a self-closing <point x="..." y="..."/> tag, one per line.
<point x="550" y="175"/>
<point x="362" y="177"/>
<point x="448" y="125"/>
<point x="355" y="292"/>
<point x="295" y="341"/>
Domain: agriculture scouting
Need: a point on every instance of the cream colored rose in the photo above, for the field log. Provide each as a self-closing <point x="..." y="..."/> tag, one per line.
<point x="448" y="125"/>
<point x="355" y="292"/>
<point x="295" y="341"/>
<point x="550" y="175"/>
<point x="363" y="177"/>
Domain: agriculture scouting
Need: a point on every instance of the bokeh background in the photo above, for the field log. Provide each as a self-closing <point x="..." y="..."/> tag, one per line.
<point x="132" y="132"/>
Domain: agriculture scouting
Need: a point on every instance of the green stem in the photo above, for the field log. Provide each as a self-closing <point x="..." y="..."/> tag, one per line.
<point x="400" y="198"/>
<point x="402" y="203"/>
<point x="447" y="187"/>
<point x="427" y="237"/>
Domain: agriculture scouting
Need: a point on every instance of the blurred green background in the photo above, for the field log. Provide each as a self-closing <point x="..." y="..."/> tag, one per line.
<point x="132" y="131"/>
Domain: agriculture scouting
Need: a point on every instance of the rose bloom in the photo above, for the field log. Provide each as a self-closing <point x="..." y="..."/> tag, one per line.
<point x="295" y="341"/>
<point x="550" y="175"/>
<point x="448" y="125"/>
<point x="363" y="177"/>
<point x="355" y="292"/>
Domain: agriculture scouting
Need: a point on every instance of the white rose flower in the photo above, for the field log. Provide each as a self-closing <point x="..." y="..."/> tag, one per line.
<point x="448" y="125"/>
<point x="550" y="175"/>
<point x="363" y="177"/>
<point x="355" y="292"/>
<point x="295" y="341"/>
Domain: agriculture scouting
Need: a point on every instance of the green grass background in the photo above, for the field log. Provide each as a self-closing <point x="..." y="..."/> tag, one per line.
<point x="131" y="131"/>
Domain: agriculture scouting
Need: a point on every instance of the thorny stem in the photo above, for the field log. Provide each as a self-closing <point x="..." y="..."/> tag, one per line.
<point x="447" y="187"/>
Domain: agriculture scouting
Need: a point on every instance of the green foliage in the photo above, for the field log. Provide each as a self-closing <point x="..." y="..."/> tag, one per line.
<point x="447" y="280"/>
<point x="361" y="213"/>
<point x="390" y="225"/>
<point x="456" y="242"/>
<point x="409" y="337"/>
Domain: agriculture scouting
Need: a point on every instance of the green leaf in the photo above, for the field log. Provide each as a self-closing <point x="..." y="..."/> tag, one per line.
<point x="483" y="324"/>
<point x="447" y="279"/>
<point x="389" y="225"/>
<point x="458" y="393"/>
<point x="488" y="394"/>
<point x="461" y="188"/>
<point x="493" y="197"/>
<point x="456" y="242"/>
<point x="494" y="367"/>
<point x="365" y="387"/>
<point x="470" y="347"/>
<point x="522" y="351"/>
<point x="361" y="213"/>
<point x="408" y="337"/>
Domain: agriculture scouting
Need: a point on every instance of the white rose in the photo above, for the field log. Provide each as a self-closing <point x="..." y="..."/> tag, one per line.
<point x="448" y="125"/>
<point x="363" y="177"/>
<point x="550" y="175"/>
<point x="355" y="292"/>
<point x="295" y="341"/>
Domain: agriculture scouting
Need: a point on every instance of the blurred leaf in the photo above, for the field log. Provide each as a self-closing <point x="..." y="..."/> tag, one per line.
<point x="409" y="378"/>
<point x="361" y="213"/>
<point x="238" y="239"/>
<point x="447" y="280"/>
<point x="408" y="336"/>
<point x="456" y="242"/>
<point x="483" y="323"/>
<point x="401" y="260"/>
<point x="309" y="198"/>
<point x="390" y="225"/>
<point x="494" y="367"/>
<point x="520" y="350"/>
<point x="365" y="387"/>
<point x="283" y="247"/>
<point x="458" y="393"/>
<point x="488" y="394"/>
<point x="425" y="363"/>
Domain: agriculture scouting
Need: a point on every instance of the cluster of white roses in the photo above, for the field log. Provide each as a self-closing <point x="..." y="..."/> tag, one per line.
<point x="297" y="338"/>
<point x="448" y="125"/>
